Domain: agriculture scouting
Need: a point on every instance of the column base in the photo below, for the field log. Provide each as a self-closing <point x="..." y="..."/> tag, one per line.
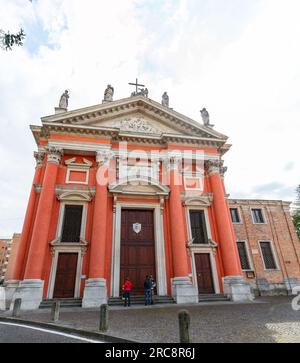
<point x="10" y="289"/>
<point x="184" y="291"/>
<point x="95" y="293"/>
<point x="237" y="288"/>
<point x="31" y="293"/>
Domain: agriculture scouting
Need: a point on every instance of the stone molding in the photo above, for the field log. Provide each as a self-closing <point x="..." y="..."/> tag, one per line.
<point x="139" y="186"/>
<point x="204" y="200"/>
<point x="63" y="246"/>
<point x="78" y="194"/>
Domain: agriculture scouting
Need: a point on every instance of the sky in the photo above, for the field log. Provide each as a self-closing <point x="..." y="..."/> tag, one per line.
<point x="238" y="58"/>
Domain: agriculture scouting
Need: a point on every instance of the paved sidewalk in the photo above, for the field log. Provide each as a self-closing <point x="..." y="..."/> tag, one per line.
<point x="267" y="320"/>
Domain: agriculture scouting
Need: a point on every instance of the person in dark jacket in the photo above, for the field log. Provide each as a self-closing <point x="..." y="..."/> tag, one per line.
<point x="148" y="290"/>
<point x="153" y="286"/>
<point x="127" y="288"/>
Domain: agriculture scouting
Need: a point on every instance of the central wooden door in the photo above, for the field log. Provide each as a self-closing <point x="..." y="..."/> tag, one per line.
<point x="137" y="247"/>
<point x="204" y="274"/>
<point x="65" y="276"/>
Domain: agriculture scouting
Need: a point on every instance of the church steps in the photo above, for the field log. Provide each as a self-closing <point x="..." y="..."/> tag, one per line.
<point x="213" y="298"/>
<point x="140" y="300"/>
<point x="64" y="303"/>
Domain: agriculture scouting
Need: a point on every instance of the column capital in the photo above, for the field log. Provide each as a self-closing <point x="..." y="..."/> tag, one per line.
<point x="104" y="156"/>
<point x="54" y="154"/>
<point x="215" y="167"/>
<point x="39" y="157"/>
<point x="173" y="163"/>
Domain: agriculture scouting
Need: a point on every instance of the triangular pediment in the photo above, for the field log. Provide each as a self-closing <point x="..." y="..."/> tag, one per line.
<point x="135" y="115"/>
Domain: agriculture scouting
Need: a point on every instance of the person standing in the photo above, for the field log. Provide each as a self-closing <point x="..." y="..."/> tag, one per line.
<point x="127" y="288"/>
<point x="153" y="286"/>
<point x="147" y="288"/>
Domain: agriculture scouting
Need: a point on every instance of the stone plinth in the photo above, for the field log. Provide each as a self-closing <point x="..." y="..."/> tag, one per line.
<point x="237" y="288"/>
<point x="184" y="292"/>
<point x="95" y="293"/>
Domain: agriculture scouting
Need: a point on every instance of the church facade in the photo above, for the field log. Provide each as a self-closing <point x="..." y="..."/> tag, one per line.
<point x="127" y="188"/>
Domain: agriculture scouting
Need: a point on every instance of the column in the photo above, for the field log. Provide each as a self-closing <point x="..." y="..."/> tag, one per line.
<point x="183" y="289"/>
<point x="20" y="259"/>
<point x="233" y="282"/>
<point x="30" y="289"/>
<point x="39" y="156"/>
<point x="95" y="292"/>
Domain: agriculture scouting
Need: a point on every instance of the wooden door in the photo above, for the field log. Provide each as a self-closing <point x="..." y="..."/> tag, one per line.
<point x="204" y="274"/>
<point x="65" y="276"/>
<point x="137" y="247"/>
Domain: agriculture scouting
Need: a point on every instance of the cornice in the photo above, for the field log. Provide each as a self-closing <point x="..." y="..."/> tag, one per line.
<point x="116" y="135"/>
<point x="258" y="202"/>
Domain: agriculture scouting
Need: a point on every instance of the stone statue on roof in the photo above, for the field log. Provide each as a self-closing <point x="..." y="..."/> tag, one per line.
<point x="165" y="100"/>
<point x="64" y="100"/>
<point x="109" y="94"/>
<point x="206" y="118"/>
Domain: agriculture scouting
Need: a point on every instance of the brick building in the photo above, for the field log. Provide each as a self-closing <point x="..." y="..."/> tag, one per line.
<point x="4" y="245"/>
<point x="268" y="245"/>
<point x="8" y="253"/>
<point x="11" y="256"/>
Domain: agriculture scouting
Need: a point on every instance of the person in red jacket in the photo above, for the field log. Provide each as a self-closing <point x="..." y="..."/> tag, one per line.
<point x="127" y="288"/>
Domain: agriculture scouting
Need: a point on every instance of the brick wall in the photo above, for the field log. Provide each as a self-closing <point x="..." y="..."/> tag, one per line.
<point x="12" y="256"/>
<point x="279" y="230"/>
<point x="3" y="257"/>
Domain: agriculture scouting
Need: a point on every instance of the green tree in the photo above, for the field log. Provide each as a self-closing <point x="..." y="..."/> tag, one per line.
<point x="296" y="213"/>
<point x="7" y="40"/>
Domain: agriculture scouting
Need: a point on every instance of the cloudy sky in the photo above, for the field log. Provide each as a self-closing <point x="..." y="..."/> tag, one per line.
<point x="238" y="58"/>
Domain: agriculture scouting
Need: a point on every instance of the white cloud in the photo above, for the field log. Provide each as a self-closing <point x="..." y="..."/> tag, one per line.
<point x="238" y="58"/>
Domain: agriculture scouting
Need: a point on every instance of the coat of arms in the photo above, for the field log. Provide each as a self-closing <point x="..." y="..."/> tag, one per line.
<point x="137" y="227"/>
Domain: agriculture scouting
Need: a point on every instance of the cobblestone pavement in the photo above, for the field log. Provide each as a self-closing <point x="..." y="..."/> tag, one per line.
<point x="267" y="320"/>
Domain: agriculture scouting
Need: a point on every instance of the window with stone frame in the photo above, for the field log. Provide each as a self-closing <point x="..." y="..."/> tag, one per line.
<point x="198" y="227"/>
<point x="244" y="257"/>
<point x="268" y="255"/>
<point x="235" y="215"/>
<point x="258" y="216"/>
<point x="71" y="229"/>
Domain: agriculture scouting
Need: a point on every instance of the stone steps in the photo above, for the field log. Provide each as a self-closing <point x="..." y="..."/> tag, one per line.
<point x="213" y="298"/>
<point x="64" y="303"/>
<point x="140" y="300"/>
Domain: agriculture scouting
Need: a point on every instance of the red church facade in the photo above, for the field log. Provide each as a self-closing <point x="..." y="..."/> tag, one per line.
<point x="127" y="188"/>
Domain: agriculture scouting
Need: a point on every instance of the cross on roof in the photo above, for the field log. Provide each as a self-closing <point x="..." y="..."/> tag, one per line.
<point x="137" y="85"/>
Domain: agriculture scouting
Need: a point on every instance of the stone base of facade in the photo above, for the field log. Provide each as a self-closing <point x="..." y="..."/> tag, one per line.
<point x="290" y="284"/>
<point x="2" y="299"/>
<point x="184" y="291"/>
<point x="95" y="293"/>
<point x="264" y="288"/>
<point x="237" y="288"/>
<point x="31" y="293"/>
<point x="10" y="289"/>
